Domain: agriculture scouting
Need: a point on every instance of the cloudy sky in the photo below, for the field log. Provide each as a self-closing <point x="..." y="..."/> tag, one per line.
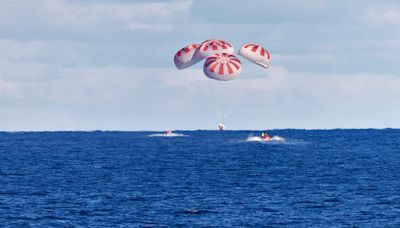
<point x="108" y="65"/>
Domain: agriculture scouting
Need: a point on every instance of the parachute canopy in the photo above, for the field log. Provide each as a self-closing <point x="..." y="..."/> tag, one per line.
<point x="187" y="56"/>
<point x="220" y="62"/>
<point x="211" y="47"/>
<point x="222" y="67"/>
<point x="256" y="54"/>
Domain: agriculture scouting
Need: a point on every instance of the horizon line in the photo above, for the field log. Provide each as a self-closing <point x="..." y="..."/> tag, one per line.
<point x="275" y="129"/>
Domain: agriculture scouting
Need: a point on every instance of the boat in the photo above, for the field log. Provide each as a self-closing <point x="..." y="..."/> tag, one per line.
<point x="221" y="126"/>
<point x="265" y="137"/>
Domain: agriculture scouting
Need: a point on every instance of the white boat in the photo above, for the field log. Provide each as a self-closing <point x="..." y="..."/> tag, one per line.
<point x="221" y="126"/>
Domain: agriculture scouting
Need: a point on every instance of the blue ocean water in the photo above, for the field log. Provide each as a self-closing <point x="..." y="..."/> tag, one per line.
<point x="312" y="178"/>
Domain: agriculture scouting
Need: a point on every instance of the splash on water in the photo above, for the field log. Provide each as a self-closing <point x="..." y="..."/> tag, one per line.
<point x="259" y="139"/>
<point x="168" y="135"/>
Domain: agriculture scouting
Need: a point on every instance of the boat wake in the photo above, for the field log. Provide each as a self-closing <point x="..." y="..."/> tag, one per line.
<point x="259" y="139"/>
<point x="168" y="135"/>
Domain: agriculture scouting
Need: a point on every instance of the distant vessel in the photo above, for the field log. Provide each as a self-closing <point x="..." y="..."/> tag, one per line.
<point x="221" y="126"/>
<point x="265" y="136"/>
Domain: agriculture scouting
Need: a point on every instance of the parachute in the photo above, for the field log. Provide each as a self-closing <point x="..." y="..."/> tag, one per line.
<point x="220" y="62"/>
<point x="211" y="47"/>
<point x="187" y="56"/>
<point x="222" y="67"/>
<point x="256" y="54"/>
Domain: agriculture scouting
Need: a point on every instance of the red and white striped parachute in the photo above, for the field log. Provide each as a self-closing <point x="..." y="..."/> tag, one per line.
<point x="187" y="56"/>
<point x="211" y="47"/>
<point x="223" y="67"/>
<point x="256" y="54"/>
<point x="221" y="64"/>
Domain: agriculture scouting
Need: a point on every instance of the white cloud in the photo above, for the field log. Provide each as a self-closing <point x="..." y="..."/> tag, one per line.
<point x="141" y="26"/>
<point x="11" y="50"/>
<point x="56" y="14"/>
<point x="304" y="100"/>
<point x="306" y="58"/>
<point x="6" y="86"/>
<point x="129" y="98"/>
<point x="382" y="15"/>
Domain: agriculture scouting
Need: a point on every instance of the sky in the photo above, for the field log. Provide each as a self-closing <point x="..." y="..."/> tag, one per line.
<point x="108" y="65"/>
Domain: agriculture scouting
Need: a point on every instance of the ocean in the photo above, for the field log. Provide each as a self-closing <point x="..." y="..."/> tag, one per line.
<point x="304" y="178"/>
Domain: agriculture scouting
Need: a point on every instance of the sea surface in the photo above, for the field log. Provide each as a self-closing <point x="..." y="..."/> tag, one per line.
<point x="305" y="178"/>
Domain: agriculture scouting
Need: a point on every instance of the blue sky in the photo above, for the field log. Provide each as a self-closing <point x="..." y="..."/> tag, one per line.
<point x="108" y="65"/>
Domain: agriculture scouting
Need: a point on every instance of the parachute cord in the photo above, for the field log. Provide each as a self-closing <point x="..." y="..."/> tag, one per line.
<point x="224" y="96"/>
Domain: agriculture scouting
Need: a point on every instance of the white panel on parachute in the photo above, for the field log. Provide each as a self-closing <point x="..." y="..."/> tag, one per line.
<point x="223" y="67"/>
<point x="187" y="56"/>
<point x="211" y="47"/>
<point x="256" y="54"/>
